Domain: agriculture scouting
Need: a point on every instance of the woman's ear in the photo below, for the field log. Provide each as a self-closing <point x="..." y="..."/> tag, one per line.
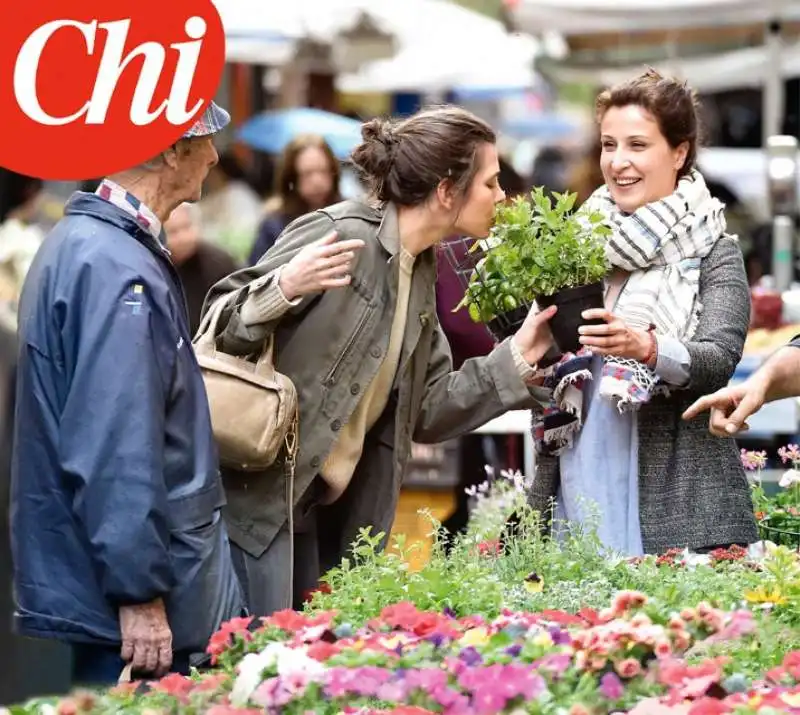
<point x="680" y="155"/>
<point x="445" y="193"/>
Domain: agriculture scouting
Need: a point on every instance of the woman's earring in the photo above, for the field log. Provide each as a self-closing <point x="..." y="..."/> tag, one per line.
<point x="291" y="186"/>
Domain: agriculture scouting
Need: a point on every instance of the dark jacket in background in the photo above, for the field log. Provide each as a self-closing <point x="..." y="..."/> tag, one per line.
<point x="115" y="493"/>
<point x="268" y="231"/>
<point x="209" y="265"/>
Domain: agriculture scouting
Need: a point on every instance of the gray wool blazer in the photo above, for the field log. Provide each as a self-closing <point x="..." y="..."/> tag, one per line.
<point x="693" y="491"/>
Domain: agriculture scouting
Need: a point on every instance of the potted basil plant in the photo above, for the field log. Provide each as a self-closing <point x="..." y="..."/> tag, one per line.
<point x="539" y="250"/>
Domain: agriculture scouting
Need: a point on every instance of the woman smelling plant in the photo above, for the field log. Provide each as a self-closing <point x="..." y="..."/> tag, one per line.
<point x="348" y="292"/>
<point x="676" y="314"/>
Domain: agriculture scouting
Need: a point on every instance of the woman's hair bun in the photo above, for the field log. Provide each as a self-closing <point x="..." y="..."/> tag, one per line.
<point x="373" y="157"/>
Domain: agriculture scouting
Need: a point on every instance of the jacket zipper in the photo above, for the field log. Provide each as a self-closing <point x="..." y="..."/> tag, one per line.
<point x="330" y="377"/>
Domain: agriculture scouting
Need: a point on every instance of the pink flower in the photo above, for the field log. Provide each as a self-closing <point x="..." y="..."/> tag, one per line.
<point x="789" y="453"/>
<point x="579" y="709"/>
<point x="753" y="460"/>
<point x="663" y="648"/>
<point x="611" y="686"/>
<point x="628" y="668"/>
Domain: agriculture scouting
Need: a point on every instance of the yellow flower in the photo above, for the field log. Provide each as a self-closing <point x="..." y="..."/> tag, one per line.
<point x="475" y="636"/>
<point x="764" y="595"/>
<point x="534" y="583"/>
<point x="543" y="639"/>
<point x="791" y="699"/>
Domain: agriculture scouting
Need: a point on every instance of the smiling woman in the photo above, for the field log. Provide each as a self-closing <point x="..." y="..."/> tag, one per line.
<point x="649" y="137"/>
<point x="676" y="313"/>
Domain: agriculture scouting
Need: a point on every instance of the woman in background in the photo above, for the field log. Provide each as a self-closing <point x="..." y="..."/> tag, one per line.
<point x="307" y="179"/>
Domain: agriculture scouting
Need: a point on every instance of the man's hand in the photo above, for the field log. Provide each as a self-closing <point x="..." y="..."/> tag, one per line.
<point x="534" y="338"/>
<point x="146" y="637"/>
<point x="731" y="406"/>
<point x="322" y="265"/>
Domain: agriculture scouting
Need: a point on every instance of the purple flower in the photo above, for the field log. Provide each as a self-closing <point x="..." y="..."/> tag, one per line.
<point x="470" y="656"/>
<point x="611" y="686"/>
<point x="449" y="612"/>
<point x="559" y="636"/>
<point x="437" y="639"/>
<point x="514" y="650"/>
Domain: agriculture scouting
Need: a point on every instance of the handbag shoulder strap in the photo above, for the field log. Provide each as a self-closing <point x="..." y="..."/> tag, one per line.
<point x="205" y="343"/>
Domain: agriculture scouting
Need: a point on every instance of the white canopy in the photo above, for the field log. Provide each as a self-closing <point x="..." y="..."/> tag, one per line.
<point x="499" y="62"/>
<point x="323" y="20"/>
<point x="581" y="17"/>
<point x="713" y="73"/>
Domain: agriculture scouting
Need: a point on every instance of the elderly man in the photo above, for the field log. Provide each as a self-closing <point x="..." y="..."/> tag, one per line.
<point x="117" y="540"/>
<point x="200" y="264"/>
<point x="777" y="379"/>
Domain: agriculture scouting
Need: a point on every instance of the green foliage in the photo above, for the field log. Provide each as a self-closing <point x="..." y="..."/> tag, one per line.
<point x="536" y="248"/>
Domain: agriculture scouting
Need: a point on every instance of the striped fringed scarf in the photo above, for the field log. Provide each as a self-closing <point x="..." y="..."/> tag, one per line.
<point x="661" y="245"/>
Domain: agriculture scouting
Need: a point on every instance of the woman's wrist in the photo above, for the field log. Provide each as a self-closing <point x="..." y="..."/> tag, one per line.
<point x="649" y="348"/>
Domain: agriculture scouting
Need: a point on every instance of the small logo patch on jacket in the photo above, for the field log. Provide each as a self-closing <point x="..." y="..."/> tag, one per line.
<point x="135" y="298"/>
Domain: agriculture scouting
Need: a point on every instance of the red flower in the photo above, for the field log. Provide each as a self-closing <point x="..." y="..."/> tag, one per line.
<point x="175" y="684"/>
<point x="426" y="624"/>
<point x="591" y="616"/>
<point x="562" y="618"/>
<point x="288" y="620"/>
<point x="322" y="650"/>
<point x="223" y="638"/>
<point x="402" y="615"/>
<point x="323" y="587"/>
<point x="489" y="548"/>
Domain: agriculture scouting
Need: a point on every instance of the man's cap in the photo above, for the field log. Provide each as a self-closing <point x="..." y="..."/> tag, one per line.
<point x="213" y="120"/>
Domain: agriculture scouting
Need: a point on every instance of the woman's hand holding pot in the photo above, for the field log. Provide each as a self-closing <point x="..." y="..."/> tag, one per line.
<point x="614" y="337"/>
<point x="534" y="338"/>
<point x="319" y="266"/>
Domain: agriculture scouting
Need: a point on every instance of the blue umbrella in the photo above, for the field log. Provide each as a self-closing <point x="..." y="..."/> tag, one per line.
<point x="271" y="131"/>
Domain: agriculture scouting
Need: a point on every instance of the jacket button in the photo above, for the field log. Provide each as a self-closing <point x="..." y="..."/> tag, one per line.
<point x="375" y="351"/>
<point x="315" y="462"/>
<point x="336" y="425"/>
<point x="355" y="388"/>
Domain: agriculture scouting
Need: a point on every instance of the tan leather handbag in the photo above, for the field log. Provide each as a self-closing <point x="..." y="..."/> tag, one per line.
<point x="254" y="411"/>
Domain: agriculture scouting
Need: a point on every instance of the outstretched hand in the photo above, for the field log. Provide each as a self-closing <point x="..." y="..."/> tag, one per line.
<point x="730" y="407"/>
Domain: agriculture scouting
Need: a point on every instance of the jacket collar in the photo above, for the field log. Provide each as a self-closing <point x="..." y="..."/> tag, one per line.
<point x="389" y="230"/>
<point x="86" y="204"/>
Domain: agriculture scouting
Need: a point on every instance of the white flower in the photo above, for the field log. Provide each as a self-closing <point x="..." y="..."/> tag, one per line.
<point x="251" y="672"/>
<point x="296" y="660"/>
<point x="790" y="476"/>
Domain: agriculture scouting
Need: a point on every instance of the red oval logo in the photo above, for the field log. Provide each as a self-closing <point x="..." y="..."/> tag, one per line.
<point x="91" y="87"/>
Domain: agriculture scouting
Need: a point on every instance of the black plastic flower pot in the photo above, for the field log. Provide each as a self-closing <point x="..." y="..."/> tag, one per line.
<point x="506" y="324"/>
<point x="571" y="303"/>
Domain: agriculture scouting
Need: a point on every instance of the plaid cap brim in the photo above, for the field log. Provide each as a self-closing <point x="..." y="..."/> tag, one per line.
<point x="213" y="120"/>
